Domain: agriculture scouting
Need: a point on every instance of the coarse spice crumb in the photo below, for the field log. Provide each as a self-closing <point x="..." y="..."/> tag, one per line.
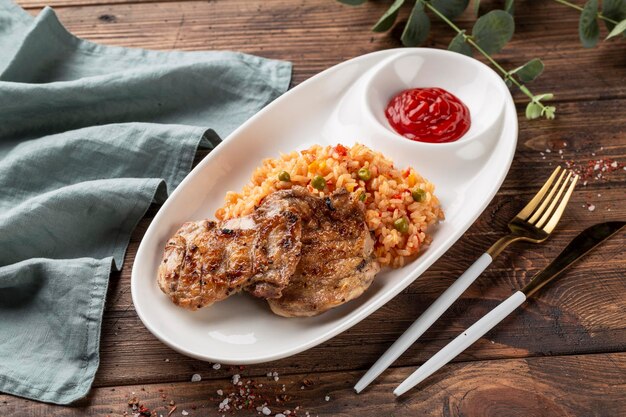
<point x="597" y="169"/>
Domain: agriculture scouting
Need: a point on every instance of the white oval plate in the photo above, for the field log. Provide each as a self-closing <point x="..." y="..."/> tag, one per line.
<point x="340" y="105"/>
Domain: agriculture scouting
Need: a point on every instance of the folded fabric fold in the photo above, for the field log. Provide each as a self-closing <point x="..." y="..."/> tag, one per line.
<point x="90" y="136"/>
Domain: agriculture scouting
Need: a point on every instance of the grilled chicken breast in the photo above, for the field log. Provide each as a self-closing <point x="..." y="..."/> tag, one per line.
<point x="336" y="264"/>
<point x="206" y="261"/>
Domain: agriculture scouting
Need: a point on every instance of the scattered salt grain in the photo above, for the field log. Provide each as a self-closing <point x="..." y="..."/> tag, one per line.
<point x="220" y="392"/>
<point x="185" y="412"/>
<point x="591" y="207"/>
<point x="279" y="415"/>
<point x="216" y="366"/>
<point x="266" y="411"/>
<point x="166" y="360"/>
<point x="236" y="379"/>
<point x="548" y="150"/>
<point x="327" y="398"/>
<point x="196" y="378"/>
<point x="224" y="404"/>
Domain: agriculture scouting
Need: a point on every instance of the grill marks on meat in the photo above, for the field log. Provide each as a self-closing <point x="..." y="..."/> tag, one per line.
<point x="303" y="253"/>
<point x="206" y="261"/>
<point x="336" y="264"/>
<point x="277" y="248"/>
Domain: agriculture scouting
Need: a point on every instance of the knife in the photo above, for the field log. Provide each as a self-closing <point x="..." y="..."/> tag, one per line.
<point x="577" y="248"/>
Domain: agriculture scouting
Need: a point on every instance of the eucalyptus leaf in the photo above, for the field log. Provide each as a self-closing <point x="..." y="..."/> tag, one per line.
<point x="459" y="45"/>
<point x="548" y="112"/>
<point x="493" y="30"/>
<point x="533" y="110"/>
<point x="387" y="20"/>
<point x="619" y="28"/>
<point x="450" y="8"/>
<point x="352" y="2"/>
<point x="529" y="71"/>
<point x="417" y="27"/>
<point x="588" y="29"/>
<point x="509" y="6"/>
<point x="615" y="10"/>
<point x="476" y="7"/>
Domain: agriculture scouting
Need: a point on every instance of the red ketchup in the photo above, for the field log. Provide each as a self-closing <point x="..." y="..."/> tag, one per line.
<point x="428" y="115"/>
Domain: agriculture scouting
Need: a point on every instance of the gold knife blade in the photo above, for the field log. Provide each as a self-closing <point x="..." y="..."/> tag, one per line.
<point x="577" y="248"/>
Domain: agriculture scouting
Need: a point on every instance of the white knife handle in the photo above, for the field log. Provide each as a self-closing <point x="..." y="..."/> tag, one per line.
<point x="462" y="342"/>
<point x="424" y="321"/>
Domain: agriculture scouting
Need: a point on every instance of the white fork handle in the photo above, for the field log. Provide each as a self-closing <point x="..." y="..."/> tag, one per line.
<point x="462" y="342"/>
<point x="424" y="321"/>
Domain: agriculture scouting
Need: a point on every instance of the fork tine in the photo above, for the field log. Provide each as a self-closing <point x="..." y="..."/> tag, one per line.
<point x="549" y="227"/>
<point x="546" y="200"/>
<point x="532" y="204"/>
<point x="553" y="203"/>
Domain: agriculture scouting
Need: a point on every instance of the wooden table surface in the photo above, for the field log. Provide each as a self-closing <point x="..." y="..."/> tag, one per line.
<point x="562" y="354"/>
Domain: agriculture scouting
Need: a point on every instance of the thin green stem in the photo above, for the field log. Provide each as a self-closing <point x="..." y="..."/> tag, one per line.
<point x="493" y="62"/>
<point x="443" y="17"/>
<point x="580" y="9"/>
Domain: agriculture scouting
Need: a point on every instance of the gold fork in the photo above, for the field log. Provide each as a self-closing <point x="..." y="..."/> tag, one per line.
<point x="534" y="223"/>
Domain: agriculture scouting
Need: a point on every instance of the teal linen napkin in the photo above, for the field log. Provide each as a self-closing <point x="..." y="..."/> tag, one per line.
<point x="90" y="136"/>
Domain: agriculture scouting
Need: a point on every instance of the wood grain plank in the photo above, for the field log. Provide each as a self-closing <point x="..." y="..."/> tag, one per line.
<point x="317" y="34"/>
<point x="580" y="385"/>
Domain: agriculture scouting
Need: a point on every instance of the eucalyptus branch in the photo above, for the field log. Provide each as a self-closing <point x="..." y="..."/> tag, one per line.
<point x="491" y="31"/>
<point x="535" y="103"/>
<point x="580" y="9"/>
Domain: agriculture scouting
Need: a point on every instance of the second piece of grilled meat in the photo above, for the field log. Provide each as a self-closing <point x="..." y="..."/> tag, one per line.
<point x="336" y="264"/>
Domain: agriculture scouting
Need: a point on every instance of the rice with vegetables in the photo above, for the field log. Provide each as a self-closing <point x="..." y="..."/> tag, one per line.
<point x="399" y="203"/>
